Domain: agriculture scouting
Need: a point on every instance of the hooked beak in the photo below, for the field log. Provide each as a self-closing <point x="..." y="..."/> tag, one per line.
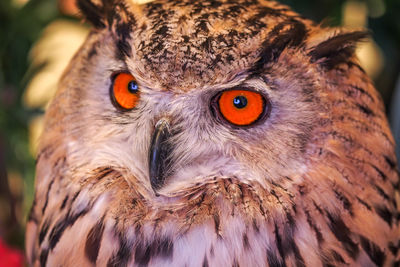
<point x="159" y="154"/>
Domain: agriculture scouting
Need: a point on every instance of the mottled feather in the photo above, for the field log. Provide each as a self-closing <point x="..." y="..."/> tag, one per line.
<point x="313" y="184"/>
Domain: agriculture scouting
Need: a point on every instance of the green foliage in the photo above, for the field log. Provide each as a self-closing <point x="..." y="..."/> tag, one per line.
<point x="19" y="28"/>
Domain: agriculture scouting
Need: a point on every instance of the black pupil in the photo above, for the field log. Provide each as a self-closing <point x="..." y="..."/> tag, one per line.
<point x="133" y="87"/>
<point x="240" y="101"/>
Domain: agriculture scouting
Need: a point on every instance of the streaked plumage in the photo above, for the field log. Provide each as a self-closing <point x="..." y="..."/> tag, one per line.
<point x="311" y="183"/>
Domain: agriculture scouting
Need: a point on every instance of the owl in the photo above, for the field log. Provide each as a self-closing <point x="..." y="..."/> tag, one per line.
<point x="214" y="133"/>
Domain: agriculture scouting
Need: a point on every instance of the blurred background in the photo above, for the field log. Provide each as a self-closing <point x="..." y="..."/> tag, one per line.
<point x="38" y="37"/>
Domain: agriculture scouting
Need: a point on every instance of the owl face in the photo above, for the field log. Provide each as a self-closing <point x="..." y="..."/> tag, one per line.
<point x="230" y="88"/>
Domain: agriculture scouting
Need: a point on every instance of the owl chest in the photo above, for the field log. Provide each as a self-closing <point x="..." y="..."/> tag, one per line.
<point x="217" y="241"/>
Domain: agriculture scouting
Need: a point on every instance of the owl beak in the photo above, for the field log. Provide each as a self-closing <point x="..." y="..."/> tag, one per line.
<point x="159" y="154"/>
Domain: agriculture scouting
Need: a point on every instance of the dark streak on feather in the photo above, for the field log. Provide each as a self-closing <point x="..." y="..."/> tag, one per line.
<point x="318" y="233"/>
<point x="288" y="241"/>
<point x="123" y="49"/>
<point x="32" y="215"/>
<point x="92" y="12"/>
<point x="64" y="202"/>
<point x="362" y="91"/>
<point x="337" y="257"/>
<point x="245" y="240"/>
<point x="365" y="204"/>
<point x="159" y="247"/>
<point x="93" y="51"/>
<point x="43" y="257"/>
<point x="123" y="255"/>
<point x="373" y="251"/>
<point x="394" y="248"/>
<point x="278" y="240"/>
<point x="273" y="260"/>
<point x="256" y="227"/>
<point x="364" y="109"/>
<point x="58" y="230"/>
<point x="205" y="261"/>
<point x="212" y="251"/>
<point x="75" y="196"/>
<point x="390" y="162"/>
<point x="380" y="172"/>
<point x="345" y="201"/>
<point x="293" y="37"/>
<point x="332" y="258"/>
<point x="47" y="196"/>
<point x="343" y="234"/>
<point x="217" y="224"/>
<point x="336" y="49"/>
<point x="44" y="230"/>
<point x="381" y="192"/>
<point x="105" y="172"/>
<point x="318" y="208"/>
<point x="384" y="213"/>
<point x="93" y="241"/>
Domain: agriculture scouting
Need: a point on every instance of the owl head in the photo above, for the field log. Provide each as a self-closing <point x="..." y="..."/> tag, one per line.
<point x="176" y="93"/>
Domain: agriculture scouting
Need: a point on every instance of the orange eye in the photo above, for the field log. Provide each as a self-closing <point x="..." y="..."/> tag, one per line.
<point x="241" y="107"/>
<point x="125" y="91"/>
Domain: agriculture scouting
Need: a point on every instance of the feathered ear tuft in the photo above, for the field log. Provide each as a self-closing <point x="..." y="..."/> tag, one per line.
<point x="95" y="13"/>
<point x="337" y="48"/>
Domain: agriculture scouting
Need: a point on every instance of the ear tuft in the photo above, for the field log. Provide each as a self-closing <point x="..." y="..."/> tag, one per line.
<point x="338" y="48"/>
<point x="91" y="12"/>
